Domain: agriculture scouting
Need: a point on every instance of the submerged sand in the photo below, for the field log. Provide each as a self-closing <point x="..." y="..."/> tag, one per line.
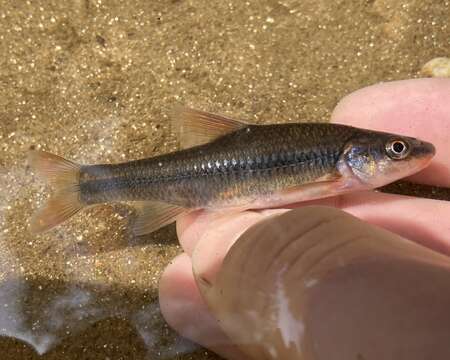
<point x="94" y="81"/>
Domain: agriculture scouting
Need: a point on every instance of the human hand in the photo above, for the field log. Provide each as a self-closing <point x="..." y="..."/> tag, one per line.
<point x="414" y="107"/>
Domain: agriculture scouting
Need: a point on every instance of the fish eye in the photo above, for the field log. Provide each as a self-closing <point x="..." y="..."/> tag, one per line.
<point x="397" y="149"/>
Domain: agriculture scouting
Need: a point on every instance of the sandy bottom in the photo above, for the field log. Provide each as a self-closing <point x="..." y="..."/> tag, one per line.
<point x="94" y="81"/>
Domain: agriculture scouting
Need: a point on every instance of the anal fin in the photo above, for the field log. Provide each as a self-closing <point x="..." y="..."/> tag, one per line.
<point x="153" y="215"/>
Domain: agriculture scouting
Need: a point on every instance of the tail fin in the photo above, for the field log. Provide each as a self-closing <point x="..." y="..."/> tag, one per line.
<point x="63" y="175"/>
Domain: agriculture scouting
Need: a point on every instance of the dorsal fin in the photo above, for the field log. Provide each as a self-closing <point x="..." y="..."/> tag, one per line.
<point x="195" y="127"/>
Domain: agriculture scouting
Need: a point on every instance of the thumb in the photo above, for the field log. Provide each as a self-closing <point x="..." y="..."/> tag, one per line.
<point x="318" y="280"/>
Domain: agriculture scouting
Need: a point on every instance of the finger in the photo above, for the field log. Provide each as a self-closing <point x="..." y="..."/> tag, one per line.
<point x="191" y="227"/>
<point x="418" y="108"/>
<point x="184" y="309"/>
<point x="424" y="221"/>
<point x="421" y="220"/>
<point x="339" y="265"/>
<point x="216" y="240"/>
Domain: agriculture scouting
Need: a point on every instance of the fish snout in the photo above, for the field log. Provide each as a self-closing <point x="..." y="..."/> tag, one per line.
<point x="423" y="149"/>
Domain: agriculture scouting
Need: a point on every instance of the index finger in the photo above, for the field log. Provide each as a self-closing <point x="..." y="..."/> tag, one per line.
<point x="417" y="107"/>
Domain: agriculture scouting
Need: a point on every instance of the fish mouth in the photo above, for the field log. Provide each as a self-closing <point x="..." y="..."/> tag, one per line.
<point x="421" y="155"/>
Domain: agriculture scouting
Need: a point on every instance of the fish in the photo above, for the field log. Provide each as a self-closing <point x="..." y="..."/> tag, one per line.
<point x="230" y="165"/>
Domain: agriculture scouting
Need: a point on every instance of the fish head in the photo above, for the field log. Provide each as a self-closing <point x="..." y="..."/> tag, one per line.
<point x="376" y="159"/>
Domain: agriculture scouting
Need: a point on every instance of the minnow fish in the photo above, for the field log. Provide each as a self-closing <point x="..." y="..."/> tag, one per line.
<point x="227" y="164"/>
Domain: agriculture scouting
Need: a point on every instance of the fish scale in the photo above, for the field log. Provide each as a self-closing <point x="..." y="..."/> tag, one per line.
<point x="249" y="162"/>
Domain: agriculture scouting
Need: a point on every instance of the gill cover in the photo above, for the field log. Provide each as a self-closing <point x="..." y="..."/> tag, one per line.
<point x="359" y="157"/>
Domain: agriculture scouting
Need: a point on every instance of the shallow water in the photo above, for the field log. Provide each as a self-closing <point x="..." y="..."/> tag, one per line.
<point x="94" y="81"/>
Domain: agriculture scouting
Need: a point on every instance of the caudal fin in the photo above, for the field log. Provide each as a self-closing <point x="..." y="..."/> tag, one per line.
<point x="64" y="176"/>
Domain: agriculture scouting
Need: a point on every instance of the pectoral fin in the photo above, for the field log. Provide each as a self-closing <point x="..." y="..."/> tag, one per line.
<point x="323" y="182"/>
<point x="327" y="186"/>
<point x="152" y="215"/>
